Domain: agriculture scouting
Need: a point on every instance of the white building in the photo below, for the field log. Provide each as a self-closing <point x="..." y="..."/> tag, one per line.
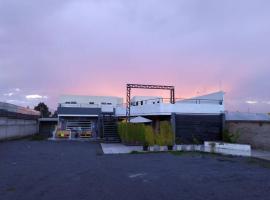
<point x="89" y="101"/>
<point x="143" y="100"/>
<point x="97" y="114"/>
<point x="155" y="106"/>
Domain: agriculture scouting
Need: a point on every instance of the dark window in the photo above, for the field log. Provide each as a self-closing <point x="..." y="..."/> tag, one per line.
<point x="141" y="102"/>
<point x="91" y="102"/>
<point x="67" y="102"/>
<point x="103" y="103"/>
<point x="73" y="102"/>
<point x="109" y="103"/>
<point x="137" y="103"/>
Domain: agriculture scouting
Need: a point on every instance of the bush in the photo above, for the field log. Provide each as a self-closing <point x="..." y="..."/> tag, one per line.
<point x="144" y="134"/>
<point x="149" y="136"/>
<point x="132" y="133"/>
<point x="166" y="134"/>
<point x="230" y="137"/>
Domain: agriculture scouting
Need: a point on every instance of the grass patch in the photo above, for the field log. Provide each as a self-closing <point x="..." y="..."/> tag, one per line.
<point x="192" y="153"/>
<point x="135" y="152"/>
<point x="11" y="189"/>
<point x="147" y="152"/>
<point x="259" y="162"/>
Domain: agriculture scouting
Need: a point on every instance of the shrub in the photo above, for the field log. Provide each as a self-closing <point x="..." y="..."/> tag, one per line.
<point x="166" y="135"/>
<point x="132" y="133"/>
<point x="230" y="137"/>
<point x="149" y="136"/>
<point x="144" y="134"/>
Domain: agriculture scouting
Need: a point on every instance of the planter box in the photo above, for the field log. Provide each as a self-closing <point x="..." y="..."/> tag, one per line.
<point x="163" y="148"/>
<point x="198" y="147"/>
<point x="154" y="148"/>
<point x="189" y="147"/>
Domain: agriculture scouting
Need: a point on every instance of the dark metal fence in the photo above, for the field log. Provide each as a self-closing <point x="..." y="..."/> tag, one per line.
<point x="195" y="128"/>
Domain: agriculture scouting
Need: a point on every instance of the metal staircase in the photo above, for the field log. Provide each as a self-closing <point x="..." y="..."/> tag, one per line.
<point x="110" y="133"/>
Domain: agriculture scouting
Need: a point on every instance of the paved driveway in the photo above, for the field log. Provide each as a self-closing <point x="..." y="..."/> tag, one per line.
<point x="77" y="170"/>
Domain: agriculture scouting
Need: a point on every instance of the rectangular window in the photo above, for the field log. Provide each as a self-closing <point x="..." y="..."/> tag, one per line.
<point x="67" y="102"/>
<point x="91" y="103"/>
<point x="73" y="102"/>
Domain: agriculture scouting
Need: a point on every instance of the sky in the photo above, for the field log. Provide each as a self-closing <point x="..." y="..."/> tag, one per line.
<point x="96" y="47"/>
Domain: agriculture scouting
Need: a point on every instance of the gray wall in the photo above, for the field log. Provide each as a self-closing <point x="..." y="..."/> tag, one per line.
<point x="257" y="134"/>
<point x="15" y="128"/>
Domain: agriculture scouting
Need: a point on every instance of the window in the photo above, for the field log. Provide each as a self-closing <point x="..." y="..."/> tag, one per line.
<point x="137" y="103"/>
<point x="91" y="102"/>
<point x="109" y="103"/>
<point x="67" y="102"/>
<point x="141" y="102"/>
<point x="103" y="103"/>
<point x="73" y="102"/>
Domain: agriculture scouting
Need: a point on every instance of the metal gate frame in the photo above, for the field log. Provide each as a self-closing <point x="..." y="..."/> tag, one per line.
<point x="142" y="86"/>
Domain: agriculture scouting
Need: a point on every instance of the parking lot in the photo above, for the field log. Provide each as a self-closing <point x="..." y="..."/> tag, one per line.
<point x="78" y="170"/>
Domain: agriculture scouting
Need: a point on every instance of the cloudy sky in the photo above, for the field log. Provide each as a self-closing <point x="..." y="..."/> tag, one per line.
<point x="54" y="47"/>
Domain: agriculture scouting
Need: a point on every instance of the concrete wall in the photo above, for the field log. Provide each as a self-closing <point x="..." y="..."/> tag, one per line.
<point x="15" y="128"/>
<point x="257" y="134"/>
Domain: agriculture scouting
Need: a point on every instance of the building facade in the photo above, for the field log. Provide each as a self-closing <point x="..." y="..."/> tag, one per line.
<point x="96" y="116"/>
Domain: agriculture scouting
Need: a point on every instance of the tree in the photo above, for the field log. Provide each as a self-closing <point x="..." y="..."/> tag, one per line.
<point x="55" y="114"/>
<point x="43" y="109"/>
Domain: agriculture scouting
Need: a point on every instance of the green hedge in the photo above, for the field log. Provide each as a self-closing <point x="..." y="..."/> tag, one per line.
<point x="144" y="134"/>
<point x="132" y="133"/>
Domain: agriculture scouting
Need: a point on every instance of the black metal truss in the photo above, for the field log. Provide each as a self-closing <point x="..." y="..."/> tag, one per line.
<point x="142" y="86"/>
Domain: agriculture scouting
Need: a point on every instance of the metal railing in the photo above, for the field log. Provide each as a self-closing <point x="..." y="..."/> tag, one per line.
<point x="177" y="101"/>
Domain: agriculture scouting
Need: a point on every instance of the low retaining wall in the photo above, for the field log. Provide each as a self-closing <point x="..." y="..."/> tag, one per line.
<point x="210" y="147"/>
<point x="254" y="133"/>
<point x="16" y="128"/>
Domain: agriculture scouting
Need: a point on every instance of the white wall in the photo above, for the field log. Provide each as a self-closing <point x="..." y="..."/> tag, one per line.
<point x="146" y="100"/>
<point x="168" y="109"/>
<point x="83" y="101"/>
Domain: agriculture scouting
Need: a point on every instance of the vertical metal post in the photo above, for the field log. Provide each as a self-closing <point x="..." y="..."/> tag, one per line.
<point x="172" y="96"/>
<point x="128" y="103"/>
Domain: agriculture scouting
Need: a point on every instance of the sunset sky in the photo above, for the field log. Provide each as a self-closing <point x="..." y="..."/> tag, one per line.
<point x="54" y="47"/>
